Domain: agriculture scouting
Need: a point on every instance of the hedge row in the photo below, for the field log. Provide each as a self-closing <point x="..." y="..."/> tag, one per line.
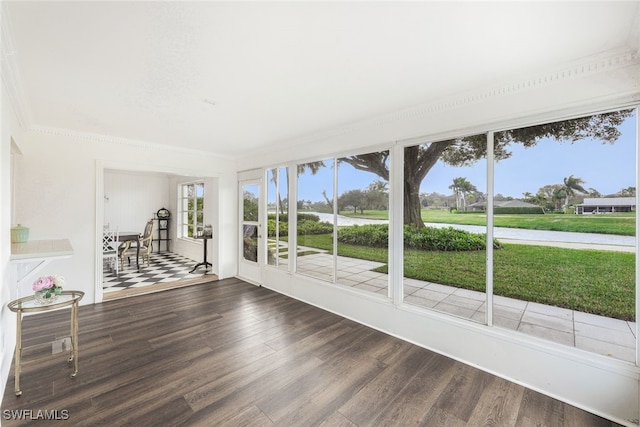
<point x="305" y="226"/>
<point x="426" y="239"/>
<point x="301" y="217"/>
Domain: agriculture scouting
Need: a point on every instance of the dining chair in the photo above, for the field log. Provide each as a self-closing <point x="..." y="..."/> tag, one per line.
<point x="110" y="248"/>
<point x="122" y="253"/>
<point x="145" y="243"/>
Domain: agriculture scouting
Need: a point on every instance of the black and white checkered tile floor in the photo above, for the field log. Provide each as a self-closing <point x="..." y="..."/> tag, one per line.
<point x="164" y="267"/>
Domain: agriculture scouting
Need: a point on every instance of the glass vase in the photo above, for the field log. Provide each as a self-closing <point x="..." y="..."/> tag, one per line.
<point x="45" y="297"/>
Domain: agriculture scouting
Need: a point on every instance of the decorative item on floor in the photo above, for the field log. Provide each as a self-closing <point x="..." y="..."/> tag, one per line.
<point x="19" y="234"/>
<point x="47" y="288"/>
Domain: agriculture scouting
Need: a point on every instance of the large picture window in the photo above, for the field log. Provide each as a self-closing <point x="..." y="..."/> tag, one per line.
<point x="529" y="229"/>
<point x="191" y="208"/>
<point x="343" y="221"/>
<point x="564" y="211"/>
<point x="445" y="226"/>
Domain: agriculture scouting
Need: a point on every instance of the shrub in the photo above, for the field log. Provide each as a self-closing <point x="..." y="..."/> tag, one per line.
<point x="445" y="239"/>
<point x="271" y="228"/>
<point x="426" y="239"/>
<point x="308" y="217"/>
<point x="314" y="227"/>
<point x="301" y="216"/>
<point x="375" y="235"/>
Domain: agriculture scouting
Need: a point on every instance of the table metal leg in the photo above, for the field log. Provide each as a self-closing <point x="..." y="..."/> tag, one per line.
<point x="138" y="254"/>
<point x="73" y="351"/>
<point x="205" y="263"/>
<point x="18" y="353"/>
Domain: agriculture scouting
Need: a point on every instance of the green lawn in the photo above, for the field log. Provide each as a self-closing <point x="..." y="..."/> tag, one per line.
<point x="622" y="224"/>
<point x="599" y="282"/>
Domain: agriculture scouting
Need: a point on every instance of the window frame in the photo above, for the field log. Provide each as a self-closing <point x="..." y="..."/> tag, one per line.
<point x="197" y="212"/>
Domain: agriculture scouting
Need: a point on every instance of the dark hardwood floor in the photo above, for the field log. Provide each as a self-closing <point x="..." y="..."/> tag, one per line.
<point x="230" y="353"/>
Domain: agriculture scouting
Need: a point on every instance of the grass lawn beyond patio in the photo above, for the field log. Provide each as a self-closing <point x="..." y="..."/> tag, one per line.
<point x="590" y="281"/>
<point x="621" y="224"/>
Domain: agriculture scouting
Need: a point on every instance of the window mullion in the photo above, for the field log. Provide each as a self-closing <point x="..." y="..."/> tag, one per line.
<point x="489" y="230"/>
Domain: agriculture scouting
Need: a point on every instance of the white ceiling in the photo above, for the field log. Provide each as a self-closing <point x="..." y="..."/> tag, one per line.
<point x="228" y="77"/>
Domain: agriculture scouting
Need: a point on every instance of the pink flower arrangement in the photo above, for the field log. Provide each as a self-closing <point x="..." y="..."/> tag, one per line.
<point x="48" y="286"/>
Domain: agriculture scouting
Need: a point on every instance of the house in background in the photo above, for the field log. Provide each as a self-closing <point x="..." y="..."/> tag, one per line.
<point x="227" y="91"/>
<point x="596" y="205"/>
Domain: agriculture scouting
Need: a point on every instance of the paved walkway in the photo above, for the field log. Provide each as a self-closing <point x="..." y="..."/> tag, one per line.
<point x="598" y="334"/>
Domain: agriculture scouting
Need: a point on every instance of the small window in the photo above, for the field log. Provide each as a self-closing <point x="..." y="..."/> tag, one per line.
<point x="191" y="208"/>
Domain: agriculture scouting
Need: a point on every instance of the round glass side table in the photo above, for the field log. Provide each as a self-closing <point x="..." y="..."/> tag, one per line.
<point x="29" y="304"/>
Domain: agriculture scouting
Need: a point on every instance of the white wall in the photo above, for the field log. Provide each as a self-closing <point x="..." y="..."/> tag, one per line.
<point x="132" y="198"/>
<point x="59" y="193"/>
<point x="7" y="318"/>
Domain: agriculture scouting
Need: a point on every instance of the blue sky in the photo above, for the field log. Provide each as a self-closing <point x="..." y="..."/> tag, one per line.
<point x="605" y="167"/>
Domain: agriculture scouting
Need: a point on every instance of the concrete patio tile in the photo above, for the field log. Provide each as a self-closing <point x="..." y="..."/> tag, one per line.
<point x="440" y="288"/>
<point x="601" y="321"/>
<point x="546" y="333"/>
<point x="409" y="290"/>
<point x="455" y="310"/>
<point x="430" y="295"/>
<point x="462" y="302"/>
<point x="371" y="275"/>
<point x="549" y="310"/>
<point x="348" y="282"/>
<point x="414" y="282"/>
<point x="547" y="321"/>
<point x="383" y="291"/>
<point x="467" y="293"/>
<point x="632" y="326"/>
<point x="349" y="270"/>
<point x="510" y="302"/>
<point x="506" y="322"/>
<point x="623" y="338"/>
<point x="479" y="316"/>
<point x="316" y="274"/>
<point x="379" y="282"/>
<point x="366" y="287"/>
<point x="507" y="312"/>
<point x="605" y="348"/>
<point x="420" y="302"/>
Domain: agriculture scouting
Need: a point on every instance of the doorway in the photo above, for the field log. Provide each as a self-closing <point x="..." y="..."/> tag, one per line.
<point x="251" y="253"/>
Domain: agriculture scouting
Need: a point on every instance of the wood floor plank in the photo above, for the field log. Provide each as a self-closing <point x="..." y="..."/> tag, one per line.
<point x="498" y="405"/>
<point x="232" y="354"/>
<point x="374" y="398"/>
<point x="412" y="403"/>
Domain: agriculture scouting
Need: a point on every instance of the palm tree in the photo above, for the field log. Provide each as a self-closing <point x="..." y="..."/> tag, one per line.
<point x="571" y="185"/>
<point x="461" y="187"/>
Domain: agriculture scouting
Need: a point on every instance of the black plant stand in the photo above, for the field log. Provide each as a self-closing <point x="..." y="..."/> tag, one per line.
<point x="205" y="262"/>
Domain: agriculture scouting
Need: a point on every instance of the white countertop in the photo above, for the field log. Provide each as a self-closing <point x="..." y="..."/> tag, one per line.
<point x="38" y="249"/>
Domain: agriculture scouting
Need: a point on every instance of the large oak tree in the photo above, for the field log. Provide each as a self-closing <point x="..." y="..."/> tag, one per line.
<point x="420" y="159"/>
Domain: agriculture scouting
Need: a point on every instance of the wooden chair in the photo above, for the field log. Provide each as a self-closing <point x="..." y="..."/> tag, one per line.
<point x="145" y="243"/>
<point x="110" y="249"/>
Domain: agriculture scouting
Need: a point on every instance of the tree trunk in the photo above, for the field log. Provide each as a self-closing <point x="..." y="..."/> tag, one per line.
<point x="412" y="206"/>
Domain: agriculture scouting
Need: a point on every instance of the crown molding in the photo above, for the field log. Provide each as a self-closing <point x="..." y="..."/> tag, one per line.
<point x="594" y="65"/>
<point x="11" y="81"/>
<point x="634" y="36"/>
<point x="126" y="142"/>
